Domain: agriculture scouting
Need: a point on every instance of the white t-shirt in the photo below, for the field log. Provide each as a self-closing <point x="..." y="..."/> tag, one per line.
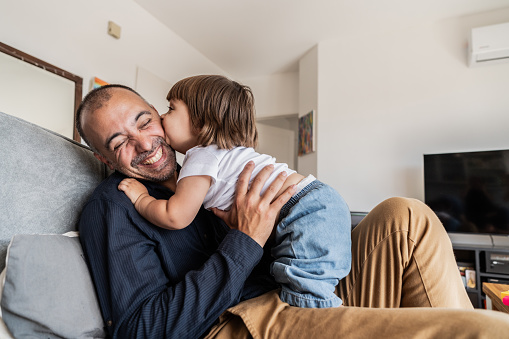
<point x="224" y="167"/>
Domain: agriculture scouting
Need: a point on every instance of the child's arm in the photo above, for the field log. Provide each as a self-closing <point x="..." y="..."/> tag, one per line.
<point x="174" y="213"/>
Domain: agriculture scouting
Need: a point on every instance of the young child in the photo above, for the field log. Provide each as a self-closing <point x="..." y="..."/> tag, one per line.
<point x="211" y="119"/>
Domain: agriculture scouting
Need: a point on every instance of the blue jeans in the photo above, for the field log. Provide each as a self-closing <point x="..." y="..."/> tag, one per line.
<point x="313" y="247"/>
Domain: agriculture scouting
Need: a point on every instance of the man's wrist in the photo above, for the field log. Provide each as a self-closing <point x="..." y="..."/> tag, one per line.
<point x="241" y="248"/>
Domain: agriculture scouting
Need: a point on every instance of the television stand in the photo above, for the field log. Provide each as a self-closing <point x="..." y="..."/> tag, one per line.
<point x="487" y="256"/>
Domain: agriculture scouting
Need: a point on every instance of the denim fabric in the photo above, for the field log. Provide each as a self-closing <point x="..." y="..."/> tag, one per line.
<point x="313" y="247"/>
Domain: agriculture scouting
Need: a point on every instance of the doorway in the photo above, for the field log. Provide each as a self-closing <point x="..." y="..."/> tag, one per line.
<point x="277" y="136"/>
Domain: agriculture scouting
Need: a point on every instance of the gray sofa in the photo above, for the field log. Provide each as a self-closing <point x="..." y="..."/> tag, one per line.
<point x="45" y="179"/>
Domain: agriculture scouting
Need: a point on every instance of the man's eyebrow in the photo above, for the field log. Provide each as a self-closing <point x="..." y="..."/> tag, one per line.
<point x="110" y="139"/>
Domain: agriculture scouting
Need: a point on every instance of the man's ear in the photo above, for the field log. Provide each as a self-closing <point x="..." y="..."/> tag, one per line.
<point x="103" y="160"/>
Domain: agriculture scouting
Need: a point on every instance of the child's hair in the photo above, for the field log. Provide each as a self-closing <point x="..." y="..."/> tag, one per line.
<point x="222" y="110"/>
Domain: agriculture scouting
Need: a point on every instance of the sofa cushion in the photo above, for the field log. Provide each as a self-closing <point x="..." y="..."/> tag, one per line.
<point x="48" y="291"/>
<point x="45" y="180"/>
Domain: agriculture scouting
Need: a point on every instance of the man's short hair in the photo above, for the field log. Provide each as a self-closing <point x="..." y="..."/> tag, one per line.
<point x="94" y="100"/>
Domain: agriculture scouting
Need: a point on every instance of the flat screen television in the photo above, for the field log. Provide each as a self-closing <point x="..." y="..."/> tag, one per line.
<point x="469" y="191"/>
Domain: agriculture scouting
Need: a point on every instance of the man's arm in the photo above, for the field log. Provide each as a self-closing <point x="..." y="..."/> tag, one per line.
<point x="141" y="291"/>
<point x="141" y="288"/>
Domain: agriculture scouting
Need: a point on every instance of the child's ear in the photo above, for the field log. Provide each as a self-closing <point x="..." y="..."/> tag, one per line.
<point x="197" y="130"/>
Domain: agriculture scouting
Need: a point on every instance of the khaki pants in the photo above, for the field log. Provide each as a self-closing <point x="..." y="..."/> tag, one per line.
<point x="404" y="283"/>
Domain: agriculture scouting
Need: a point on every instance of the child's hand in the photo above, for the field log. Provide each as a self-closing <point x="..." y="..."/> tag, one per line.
<point x="132" y="188"/>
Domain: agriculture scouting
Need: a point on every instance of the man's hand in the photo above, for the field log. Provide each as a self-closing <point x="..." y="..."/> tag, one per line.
<point x="251" y="213"/>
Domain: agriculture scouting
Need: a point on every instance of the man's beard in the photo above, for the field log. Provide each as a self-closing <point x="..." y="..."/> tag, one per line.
<point x="164" y="171"/>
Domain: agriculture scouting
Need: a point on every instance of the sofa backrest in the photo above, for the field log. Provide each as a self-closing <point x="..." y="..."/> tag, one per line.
<point x="45" y="179"/>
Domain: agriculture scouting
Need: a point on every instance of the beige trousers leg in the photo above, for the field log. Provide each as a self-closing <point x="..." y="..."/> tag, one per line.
<point x="402" y="265"/>
<point x="402" y="257"/>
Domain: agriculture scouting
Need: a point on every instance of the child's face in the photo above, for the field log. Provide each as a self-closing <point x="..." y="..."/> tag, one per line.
<point x="179" y="132"/>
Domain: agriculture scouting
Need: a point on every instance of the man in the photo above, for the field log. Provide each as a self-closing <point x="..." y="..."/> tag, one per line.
<point x="156" y="283"/>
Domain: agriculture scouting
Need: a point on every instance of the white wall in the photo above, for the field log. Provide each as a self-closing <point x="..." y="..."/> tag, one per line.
<point x="309" y="93"/>
<point x="73" y="35"/>
<point x="382" y="100"/>
<point x="276" y="101"/>
<point x="276" y="94"/>
<point x="278" y="142"/>
<point x="385" y="99"/>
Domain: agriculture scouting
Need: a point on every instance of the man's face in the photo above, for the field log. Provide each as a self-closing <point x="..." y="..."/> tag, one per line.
<point x="127" y="133"/>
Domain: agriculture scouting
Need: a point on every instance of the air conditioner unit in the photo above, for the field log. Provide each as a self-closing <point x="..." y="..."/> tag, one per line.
<point x="489" y="45"/>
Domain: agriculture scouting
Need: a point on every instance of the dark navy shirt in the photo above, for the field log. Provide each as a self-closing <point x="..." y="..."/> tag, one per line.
<point x="157" y="283"/>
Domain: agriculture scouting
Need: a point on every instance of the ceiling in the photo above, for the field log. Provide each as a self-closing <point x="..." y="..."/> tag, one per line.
<point x="249" y="38"/>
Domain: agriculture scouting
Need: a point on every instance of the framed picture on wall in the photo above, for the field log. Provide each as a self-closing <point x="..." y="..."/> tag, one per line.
<point x="307" y="136"/>
<point x="41" y="93"/>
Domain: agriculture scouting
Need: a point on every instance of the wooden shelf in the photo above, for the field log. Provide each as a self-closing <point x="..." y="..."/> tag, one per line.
<point x="476" y="256"/>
